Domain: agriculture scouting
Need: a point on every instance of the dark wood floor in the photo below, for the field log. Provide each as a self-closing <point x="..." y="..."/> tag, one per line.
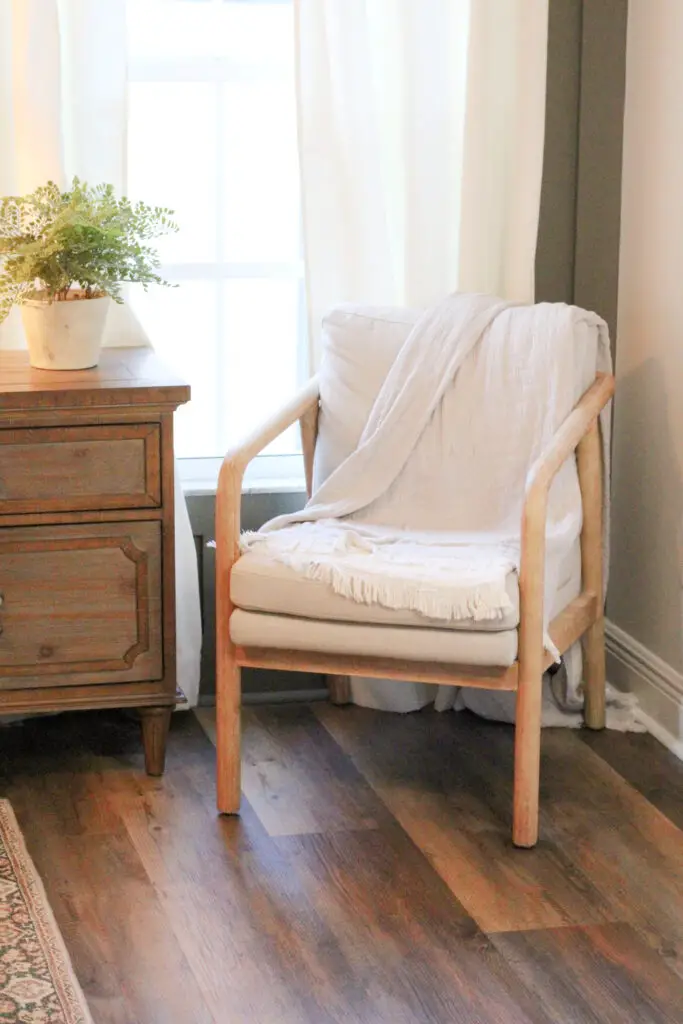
<point x="370" y="878"/>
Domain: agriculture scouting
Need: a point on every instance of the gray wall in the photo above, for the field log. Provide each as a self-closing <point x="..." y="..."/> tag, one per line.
<point x="578" y="242"/>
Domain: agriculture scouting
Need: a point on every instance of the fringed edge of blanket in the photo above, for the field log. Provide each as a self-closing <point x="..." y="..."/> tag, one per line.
<point x="482" y="602"/>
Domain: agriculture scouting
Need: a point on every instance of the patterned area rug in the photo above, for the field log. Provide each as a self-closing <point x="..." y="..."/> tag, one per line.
<point x="37" y="982"/>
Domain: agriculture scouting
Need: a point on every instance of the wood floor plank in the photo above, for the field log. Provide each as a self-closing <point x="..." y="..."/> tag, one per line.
<point x="343" y="926"/>
<point x="611" y="839"/>
<point x="618" y="838"/>
<point x="297" y="779"/>
<point x="127" y="960"/>
<point x="412" y="954"/>
<point x="647" y="765"/>
<point x="441" y="779"/>
<point x="214" y="884"/>
<point x="338" y="915"/>
<point x="604" y="974"/>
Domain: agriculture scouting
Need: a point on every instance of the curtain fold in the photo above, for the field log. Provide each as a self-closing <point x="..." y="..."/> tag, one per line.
<point x="63" y="113"/>
<point x="421" y="130"/>
<point x="421" y="126"/>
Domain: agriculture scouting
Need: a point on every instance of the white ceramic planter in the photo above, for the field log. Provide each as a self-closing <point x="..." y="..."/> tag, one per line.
<point x="64" y="335"/>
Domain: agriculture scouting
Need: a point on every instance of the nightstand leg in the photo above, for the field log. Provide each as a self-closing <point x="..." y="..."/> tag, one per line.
<point x="155" y="726"/>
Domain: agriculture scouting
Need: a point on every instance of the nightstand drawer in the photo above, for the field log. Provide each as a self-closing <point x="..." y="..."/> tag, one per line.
<point x="80" y="604"/>
<point x="74" y="469"/>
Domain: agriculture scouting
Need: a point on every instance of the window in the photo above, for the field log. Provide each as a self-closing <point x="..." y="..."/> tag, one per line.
<point x="212" y="134"/>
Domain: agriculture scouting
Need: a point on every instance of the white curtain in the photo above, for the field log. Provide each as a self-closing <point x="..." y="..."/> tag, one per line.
<point x="63" y="112"/>
<point x="421" y="129"/>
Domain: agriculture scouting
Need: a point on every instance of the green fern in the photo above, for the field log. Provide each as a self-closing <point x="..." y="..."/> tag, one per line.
<point x="51" y="241"/>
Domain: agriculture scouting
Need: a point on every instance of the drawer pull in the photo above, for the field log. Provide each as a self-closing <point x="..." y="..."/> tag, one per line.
<point x="2" y="600"/>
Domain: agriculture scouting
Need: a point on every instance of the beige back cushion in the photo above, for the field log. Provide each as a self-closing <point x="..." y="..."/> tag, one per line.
<point x="359" y="345"/>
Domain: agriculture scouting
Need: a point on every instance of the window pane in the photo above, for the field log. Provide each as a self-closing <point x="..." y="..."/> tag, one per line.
<point x="237" y="345"/>
<point x="181" y="324"/>
<point x="260" y="352"/>
<point x="172" y="162"/>
<point x="261" y="179"/>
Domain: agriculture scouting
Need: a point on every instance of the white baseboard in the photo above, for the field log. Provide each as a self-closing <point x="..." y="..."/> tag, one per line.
<point x="659" y="687"/>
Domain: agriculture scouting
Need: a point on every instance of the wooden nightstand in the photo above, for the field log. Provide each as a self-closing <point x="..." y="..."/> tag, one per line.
<point x="87" y="575"/>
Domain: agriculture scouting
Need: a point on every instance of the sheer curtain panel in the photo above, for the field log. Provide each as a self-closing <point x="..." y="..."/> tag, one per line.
<point x="421" y="129"/>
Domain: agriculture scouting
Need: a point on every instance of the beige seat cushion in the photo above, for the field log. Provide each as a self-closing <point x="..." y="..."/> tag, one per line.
<point x="449" y="646"/>
<point x="261" y="584"/>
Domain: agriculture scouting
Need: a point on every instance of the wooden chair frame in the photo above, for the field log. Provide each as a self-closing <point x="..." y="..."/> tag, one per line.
<point x="582" y="619"/>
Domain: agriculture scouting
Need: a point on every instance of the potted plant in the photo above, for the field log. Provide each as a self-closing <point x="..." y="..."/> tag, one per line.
<point x="63" y="256"/>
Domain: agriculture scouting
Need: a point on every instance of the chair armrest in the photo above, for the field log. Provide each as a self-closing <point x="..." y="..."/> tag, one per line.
<point x="579" y="430"/>
<point x="229" y="491"/>
<point x="241" y="455"/>
<point x="567" y="438"/>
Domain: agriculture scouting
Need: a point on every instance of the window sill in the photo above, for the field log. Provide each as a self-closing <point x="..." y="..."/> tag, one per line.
<point x="267" y="474"/>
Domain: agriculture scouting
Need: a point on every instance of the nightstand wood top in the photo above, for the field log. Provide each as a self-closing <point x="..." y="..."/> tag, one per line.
<point x="124" y="377"/>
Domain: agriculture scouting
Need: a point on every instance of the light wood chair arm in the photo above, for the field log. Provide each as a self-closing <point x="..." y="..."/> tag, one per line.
<point x="566" y="440"/>
<point x="579" y="430"/>
<point x="229" y="491"/>
<point x="582" y="418"/>
<point x="241" y="455"/>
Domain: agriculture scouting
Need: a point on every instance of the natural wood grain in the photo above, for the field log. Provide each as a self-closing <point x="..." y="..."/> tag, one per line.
<point x="313" y="929"/>
<point x="407" y="949"/>
<point x="530" y="678"/>
<point x="425" y="768"/>
<point x="580" y="422"/>
<point x="174" y="915"/>
<point x="568" y="627"/>
<point x="308" y="425"/>
<point x="79" y="468"/>
<point x="87" y="550"/>
<point x="155" y="726"/>
<point x="603" y="974"/>
<point x="124" y="376"/>
<point x="228" y="671"/>
<point x="119" y="515"/>
<point x="589" y="464"/>
<point x="339" y="688"/>
<point x="105" y="902"/>
<point x="400" y="669"/>
<point x="646" y="765"/>
<point x="168" y="582"/>
<point x="79" y="602"/>
<point x="614" y="835"/>
<point x="89" y="695"/>
<point x="296" y="778"/>
<point x="68" y="777"/>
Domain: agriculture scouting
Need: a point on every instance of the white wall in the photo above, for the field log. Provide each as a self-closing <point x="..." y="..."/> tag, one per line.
<point x="645" y="600"/>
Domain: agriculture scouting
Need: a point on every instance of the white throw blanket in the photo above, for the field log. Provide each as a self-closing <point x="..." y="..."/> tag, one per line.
<point x="395" y="523"/>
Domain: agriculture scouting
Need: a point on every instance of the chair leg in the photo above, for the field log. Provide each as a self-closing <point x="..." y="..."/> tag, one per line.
<point x="340" y="689"/>
<point x="593" y="643"/>
<point x="228" y="731"/>
<point x="527" y="760"/>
